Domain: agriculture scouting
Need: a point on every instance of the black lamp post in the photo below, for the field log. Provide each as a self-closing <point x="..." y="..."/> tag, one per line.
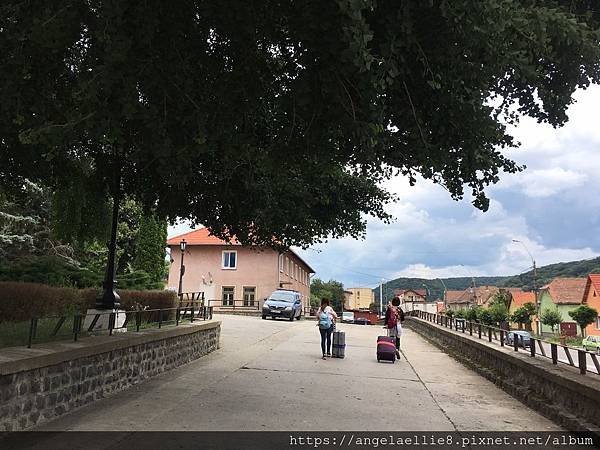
<point x="182" y="245"/>
<point x="109" y="299"/>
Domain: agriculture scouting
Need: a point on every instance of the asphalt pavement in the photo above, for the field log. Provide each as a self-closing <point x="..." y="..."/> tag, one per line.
<point x="269" y="375"/>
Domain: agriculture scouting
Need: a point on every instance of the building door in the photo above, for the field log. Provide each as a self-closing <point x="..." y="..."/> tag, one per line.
<point x="249" y="295"/>
<point x="227" y="296"/>
<point x="568" y="328"/>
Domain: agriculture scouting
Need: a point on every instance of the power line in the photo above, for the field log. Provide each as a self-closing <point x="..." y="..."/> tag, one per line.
<point x="361" y="273"/>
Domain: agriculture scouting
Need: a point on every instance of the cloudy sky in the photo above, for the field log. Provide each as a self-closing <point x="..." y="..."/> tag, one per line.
<point x="553" y="207"/>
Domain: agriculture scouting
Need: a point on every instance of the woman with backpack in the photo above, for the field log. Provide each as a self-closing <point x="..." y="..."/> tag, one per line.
<point x="326" y="317"/>
<point x="394" y="316"/>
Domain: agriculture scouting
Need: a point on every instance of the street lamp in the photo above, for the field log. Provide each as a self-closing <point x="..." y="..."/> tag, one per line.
<point x="109" y="299"/>
<point x="537" y="302"/>
<point x="182" y="246"/>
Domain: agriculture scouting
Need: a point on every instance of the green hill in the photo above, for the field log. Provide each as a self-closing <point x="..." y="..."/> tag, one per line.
<point x="545" y="274"/>
<point x="525" y="280"/>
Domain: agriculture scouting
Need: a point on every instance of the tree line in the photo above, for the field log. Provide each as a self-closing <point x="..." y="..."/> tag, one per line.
<point x="58" y="237"/>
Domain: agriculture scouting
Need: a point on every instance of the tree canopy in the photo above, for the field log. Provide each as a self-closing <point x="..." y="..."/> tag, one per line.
<point x="332" y="290"/>
<point x="584" y="316"/>
<point x="281" y="119"/>
<point x="551" y="317"/>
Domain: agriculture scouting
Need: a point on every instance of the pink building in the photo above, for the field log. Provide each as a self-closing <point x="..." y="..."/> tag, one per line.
<point x="235" y="273"/>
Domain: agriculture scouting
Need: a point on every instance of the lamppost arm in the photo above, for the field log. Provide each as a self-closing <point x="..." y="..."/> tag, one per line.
<point x="526" y="249"/>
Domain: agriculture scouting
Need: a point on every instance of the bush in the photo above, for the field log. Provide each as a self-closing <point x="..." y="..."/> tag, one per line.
<point x="460" y="314"/>
<point x="22" y="301"/>
<point x="49" y="270"/>
<point x="56" y="271"/>
<point x="472" y="314"/>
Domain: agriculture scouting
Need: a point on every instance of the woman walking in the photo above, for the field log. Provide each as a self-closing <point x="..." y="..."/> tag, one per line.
<point x="326" y="317"/>
<point x="394" y="316"/>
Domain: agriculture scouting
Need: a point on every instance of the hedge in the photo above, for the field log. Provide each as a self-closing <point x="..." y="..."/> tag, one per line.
<point x="22" y="301"/>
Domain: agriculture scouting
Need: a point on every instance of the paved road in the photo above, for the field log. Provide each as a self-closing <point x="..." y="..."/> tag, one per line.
<point x="268" y="375"/>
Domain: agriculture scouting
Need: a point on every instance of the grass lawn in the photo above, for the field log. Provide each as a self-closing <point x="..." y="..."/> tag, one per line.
<point x="570" y="341"/>
<point x="15" y="334"/>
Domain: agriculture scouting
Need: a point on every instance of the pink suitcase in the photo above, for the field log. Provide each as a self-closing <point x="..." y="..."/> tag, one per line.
<point x="386" y="349"/>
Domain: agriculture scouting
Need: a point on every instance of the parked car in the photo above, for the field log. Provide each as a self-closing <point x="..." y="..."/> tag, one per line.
<point x="591" y="343"/>
<point x="348" y="317"/>
<point x="283" y="303"/>
<point x="362" y="321"/>
<point x="523" y="336"/>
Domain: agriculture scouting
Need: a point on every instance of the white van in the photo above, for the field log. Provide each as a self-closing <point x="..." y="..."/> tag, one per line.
<point x="348" y="317"/>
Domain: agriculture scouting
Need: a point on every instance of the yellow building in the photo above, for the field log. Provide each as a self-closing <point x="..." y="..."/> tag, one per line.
<point x="359" y="298"/>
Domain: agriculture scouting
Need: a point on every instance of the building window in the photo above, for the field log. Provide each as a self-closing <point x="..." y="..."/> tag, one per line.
<point x="598" y="323"/>
<point x="249" y="295"/>
<point x="227" y="296"/>
<point x="281" y="263"/>
<point x="229" y="260"/>
<point x="287" y="266"/>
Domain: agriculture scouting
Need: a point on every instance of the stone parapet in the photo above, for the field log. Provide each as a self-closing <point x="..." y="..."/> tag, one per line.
<point x="46" y="381"/>
<point x="555" y="391"/>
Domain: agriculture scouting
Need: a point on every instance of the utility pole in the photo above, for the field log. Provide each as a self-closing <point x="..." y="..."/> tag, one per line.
<point x="537" y="301"/>
<point x="445" y="289"/>
<point x="381" y="298"/>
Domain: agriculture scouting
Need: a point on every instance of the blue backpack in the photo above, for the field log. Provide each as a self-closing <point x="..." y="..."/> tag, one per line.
<point x="324" y="321"/>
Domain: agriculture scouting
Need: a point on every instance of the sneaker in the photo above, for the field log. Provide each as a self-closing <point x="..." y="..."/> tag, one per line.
<point x="324" y="357"/>
<point x="329" y="355"/>
<point x="397" y="354"/>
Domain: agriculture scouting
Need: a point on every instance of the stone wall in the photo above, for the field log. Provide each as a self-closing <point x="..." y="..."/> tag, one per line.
<point x="55" y="380"/>
<point x="557" y="392"/>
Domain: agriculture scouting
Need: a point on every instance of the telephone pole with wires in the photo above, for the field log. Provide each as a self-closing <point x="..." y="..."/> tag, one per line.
<point x="381" y="298"/>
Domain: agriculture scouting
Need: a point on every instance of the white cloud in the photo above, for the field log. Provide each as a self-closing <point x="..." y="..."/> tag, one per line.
<point x="422" y="271"/>
<point x="546" y="182"/>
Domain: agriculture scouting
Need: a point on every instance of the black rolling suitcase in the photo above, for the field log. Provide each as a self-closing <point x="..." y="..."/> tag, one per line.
<point x="339" y="344"/>
<point x="386" y="349"/>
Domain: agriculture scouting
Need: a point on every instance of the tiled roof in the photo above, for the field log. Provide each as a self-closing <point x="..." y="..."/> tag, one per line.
<point x="520" y="297"/>
<point x="484" y="293"/>
<point x="477" y="295"/>
<point x="454" y="296"/>
<point x="421" y="292"/>
<point x="202" y="236"/>
<point x="592" y="280"/>
<point x="595" y="279"/>
<point x="566" y="291"/>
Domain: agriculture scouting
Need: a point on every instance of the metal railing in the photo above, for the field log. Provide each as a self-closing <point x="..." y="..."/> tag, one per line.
<point x="52" y="328"/>
<point x="549" y="350"/>
<point x="235" y="304"/>
<point x="188" y="299"/>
